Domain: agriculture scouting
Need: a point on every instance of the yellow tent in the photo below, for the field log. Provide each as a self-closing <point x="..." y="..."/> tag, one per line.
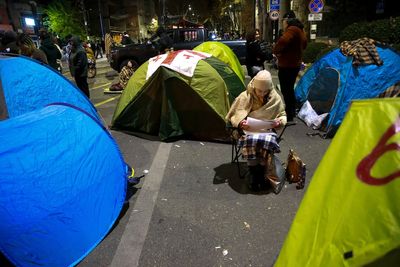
<point x="223" y="53"/>
<point x="350" y="215"/>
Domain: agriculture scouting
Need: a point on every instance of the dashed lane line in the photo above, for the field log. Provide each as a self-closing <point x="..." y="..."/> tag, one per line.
<point x="100" y="86"/>
<point x="106" y="101"/>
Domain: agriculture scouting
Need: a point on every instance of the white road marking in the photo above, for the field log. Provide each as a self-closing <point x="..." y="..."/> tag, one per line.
<point x="132" y="241"/>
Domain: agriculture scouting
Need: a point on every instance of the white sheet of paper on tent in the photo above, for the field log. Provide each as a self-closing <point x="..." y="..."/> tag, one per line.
<point x="258" y="126"/>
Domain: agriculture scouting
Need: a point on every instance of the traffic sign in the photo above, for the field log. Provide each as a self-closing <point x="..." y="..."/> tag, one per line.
<point x="315" y="17"/>
<point x="274" y="5"/>
<point x="274" y="15"/>
<point x="316" y="6"/>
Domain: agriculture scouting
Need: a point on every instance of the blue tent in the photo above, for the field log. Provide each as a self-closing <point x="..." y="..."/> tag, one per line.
<point x="364" y="81"/>
<point x="62" y="183"/>
<point x="27" y="85"/>
<point x="62" y="176"/>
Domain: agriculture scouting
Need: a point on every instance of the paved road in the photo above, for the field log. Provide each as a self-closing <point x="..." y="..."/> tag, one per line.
<point x="192" y="209"/>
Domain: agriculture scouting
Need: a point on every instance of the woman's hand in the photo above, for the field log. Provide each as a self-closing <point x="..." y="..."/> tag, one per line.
<point x="277" y="123"/>
<point x="243" y="125"/>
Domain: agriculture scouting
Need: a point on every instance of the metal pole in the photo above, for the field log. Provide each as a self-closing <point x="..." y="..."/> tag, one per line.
<point x="85" y="19"/>
<point x="101" y="19"/>
<point x="163" y="13"/>
<point x="9" y="14"/>
<point x="254" y="13"/>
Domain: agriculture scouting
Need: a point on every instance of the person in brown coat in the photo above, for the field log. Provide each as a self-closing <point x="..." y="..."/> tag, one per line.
<point x="289" y="51"/>
<point x="108" y="43"/>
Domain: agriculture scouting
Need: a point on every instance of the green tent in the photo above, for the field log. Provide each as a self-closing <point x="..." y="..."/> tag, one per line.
<point x="223" y="53"/>
<point x="163" y="102"/>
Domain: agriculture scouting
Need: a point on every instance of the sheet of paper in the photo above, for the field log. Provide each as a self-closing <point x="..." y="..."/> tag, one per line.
<point x="258" y="126"/>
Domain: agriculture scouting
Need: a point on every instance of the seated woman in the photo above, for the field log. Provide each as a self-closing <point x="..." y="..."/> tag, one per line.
<point x="259" y="101"/>
<point x="124" y="76"/>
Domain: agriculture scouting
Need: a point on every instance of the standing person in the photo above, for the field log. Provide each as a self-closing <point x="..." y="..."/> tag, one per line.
<point x="56" y="43"/>
<point x="289" y="51"/>
<point x="29" y="49"/>
<point x="98" y="50"/>
<point x="108" y="43"/>
<point x="90" y="54"/>
<point x="254" y="55"/>
<point x="78" y="65"/>
<point x="53" y="54"/>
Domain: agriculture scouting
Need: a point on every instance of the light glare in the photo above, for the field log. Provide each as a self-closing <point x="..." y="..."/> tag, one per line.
<point x="29" y="22"/>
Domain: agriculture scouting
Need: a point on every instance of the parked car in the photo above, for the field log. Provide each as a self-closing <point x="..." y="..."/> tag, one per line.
<point x="187" y="38"/>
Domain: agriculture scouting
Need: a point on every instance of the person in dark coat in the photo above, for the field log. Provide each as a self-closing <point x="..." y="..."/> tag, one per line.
<point x="289" y="51"/>
<point x="78" y="65"/>
<point x="254" y="56"/>
<point x="53" y="54"/>
<point x="99" y="50"/>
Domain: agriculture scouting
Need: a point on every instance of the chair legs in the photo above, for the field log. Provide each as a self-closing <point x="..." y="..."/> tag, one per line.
<point x="236" y="153"/>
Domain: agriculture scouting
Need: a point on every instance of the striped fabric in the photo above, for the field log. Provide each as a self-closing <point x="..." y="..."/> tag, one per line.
<point x="362" y="50"/>
<point x="125" y="75"/>
<point x="255" y="146"/>
<point x="392" y="91"/>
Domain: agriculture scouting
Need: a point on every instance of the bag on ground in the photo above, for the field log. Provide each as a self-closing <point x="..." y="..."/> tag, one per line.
<point x="295" y="170"/>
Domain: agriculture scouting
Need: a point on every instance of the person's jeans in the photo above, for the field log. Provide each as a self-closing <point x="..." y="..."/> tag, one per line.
<point x="287" y="79"/>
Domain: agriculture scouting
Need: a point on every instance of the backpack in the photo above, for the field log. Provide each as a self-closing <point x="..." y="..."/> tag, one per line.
<point x="295" y="170"/>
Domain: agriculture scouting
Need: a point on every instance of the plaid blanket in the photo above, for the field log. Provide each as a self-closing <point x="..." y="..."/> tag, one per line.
<point x="255" y="146"/>
<point x="362" y="50"/>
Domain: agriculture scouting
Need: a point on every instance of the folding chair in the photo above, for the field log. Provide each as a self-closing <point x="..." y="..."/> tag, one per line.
<point x="236" y="153"/>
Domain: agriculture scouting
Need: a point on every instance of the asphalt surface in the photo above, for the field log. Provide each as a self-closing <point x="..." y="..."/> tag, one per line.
<point x="191" y="208"/>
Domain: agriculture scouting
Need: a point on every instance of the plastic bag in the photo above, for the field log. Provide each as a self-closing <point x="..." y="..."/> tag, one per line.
<point x="310" y="117"/>
<point x="275" y="173"/>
